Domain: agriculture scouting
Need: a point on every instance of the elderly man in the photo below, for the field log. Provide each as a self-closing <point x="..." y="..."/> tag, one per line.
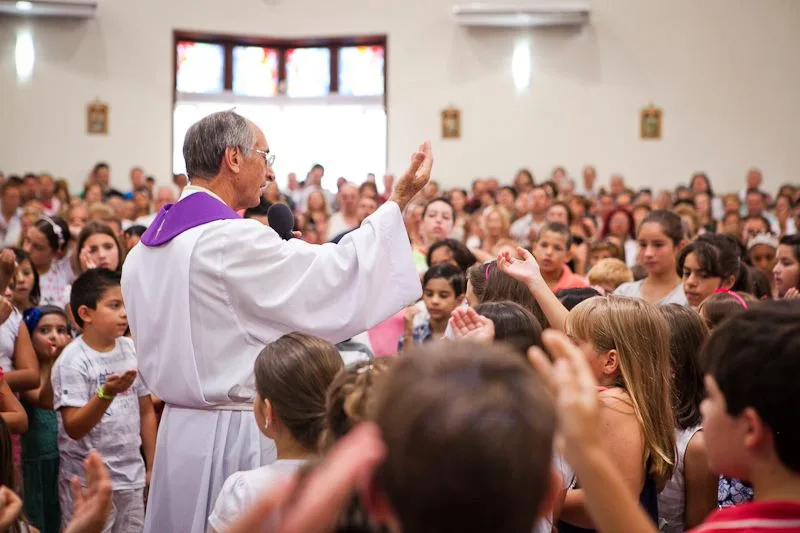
<point x="347" y="217"/>
<point x="206" y="291"/>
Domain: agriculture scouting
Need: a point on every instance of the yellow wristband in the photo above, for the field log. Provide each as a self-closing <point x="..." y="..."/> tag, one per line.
<point x="102" y="395"/>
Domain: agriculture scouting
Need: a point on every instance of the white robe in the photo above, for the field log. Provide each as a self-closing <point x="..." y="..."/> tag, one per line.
<point x="201" y="308"/>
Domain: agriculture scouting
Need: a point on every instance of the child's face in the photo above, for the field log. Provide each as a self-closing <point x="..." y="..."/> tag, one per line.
<point x="50" y="333"/>
<point x="697" y="283"/>
<point x="131" y="241"/>
<point x="102" y="250"/>
<point x="656" y="249"/>
<point x="440" y="299"/>
<point x="786" y="270"/>
<point x="762" y="256"/>
<point x="109" y="318"/>
<point x="38" y="248"/>
<point x="23" y="283"/>
<point x="551" y="252"/>
<point x="442" y="254"/>
<point x="724" y="434"/>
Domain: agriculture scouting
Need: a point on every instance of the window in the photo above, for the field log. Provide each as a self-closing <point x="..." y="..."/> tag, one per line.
<point x="200" y="67"/>
<point x="318" y="101"/>
<point x="361" y="70"/>
<point x="255" y="71"/>
<point x="308" y="71"/>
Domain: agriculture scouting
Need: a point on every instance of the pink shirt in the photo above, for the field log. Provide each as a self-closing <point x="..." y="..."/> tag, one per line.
<point x="754" y="517"/>
<point x="569" y="280"/>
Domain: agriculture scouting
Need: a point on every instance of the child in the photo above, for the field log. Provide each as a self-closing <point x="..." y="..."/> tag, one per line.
<point x="487" y="466"/>
<point x="25" y="291"/>
<point x="761" y="250"/>
<point x="132" y="235"/>
<point x="749" y="431"/>
<point x="626" y="341"/>
<point x="101" y="403"/>
<point x="660" y="238"/>
<point x="49" y="333"/>
<point x="98" y="247"/>
<point x="691" y="494"/>
<point x="722" y="305"/>
<point x="552" y="253"/>
<point x="443" y="289"/>
<point x="608" y="274"/>
<point x="604" y="249"/>
<point x="46" y="242"/>
<point x="15" y="524"/>
<point x="787" y="267"/>
<point x="707" y="266"/>
<point x="292" y="376"/>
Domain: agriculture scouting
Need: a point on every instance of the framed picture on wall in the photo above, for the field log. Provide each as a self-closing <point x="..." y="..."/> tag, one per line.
<point x="651" y="119"/>
<point x="97" y="118"/>
<point x="451" y="123"/>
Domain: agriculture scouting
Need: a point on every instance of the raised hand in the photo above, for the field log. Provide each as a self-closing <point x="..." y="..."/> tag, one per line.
<point x="575" y="389"/>
<point x="470" y="326"/>
<point x="326" y="491"/>
<point x="408" y="317"/>
<point x="791" y="294"/>
<point x="415" y="177"/>
<point x="8" y="266"/>
<point x="87" y="262"/>
<point x="92" y="504"/>
<point x="116" y="384"/>
<point x="526" y="270"/>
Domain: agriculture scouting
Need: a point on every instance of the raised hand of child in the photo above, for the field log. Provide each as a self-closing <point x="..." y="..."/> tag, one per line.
<point x="575" y="388"/>
<point x="524" y="269"/>
<point x="5" y="309"/>
<point x="791" y="294"/>
<point x="470" y="326"/>
<point x="116" y="384"/>
<point x="10" y="508"/>
<point x="408" y="316"/>
<point x="87" y="262"/>
<point x="92" y="504"/>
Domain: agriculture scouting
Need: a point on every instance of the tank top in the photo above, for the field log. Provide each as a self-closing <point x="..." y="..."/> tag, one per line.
<point x="672" y="500"/>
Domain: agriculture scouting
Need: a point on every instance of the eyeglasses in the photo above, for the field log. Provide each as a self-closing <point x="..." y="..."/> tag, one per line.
<point x="268" y="157"/>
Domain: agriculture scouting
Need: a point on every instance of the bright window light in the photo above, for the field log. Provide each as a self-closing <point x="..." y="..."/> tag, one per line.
<point x="24" y="55"/>
<point x="521" y="65"/>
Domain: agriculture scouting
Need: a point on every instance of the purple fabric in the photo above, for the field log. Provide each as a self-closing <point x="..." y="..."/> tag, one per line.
<point x="195" y="210"/>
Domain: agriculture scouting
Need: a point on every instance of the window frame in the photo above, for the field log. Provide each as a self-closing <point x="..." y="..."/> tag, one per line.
<point x="282" y="45"/>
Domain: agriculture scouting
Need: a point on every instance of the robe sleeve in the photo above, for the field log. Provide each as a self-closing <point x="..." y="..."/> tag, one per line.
<point x="333" y="291"/>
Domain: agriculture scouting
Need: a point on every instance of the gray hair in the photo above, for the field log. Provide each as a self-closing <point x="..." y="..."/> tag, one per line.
<point x="207" y="139"/>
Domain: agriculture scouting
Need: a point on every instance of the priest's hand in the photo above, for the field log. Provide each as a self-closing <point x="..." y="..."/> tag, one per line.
<point x="415" y="177"/>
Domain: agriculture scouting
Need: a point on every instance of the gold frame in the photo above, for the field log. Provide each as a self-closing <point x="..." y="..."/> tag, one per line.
<point x="451" y="123"/>
<point x="650" y="122"/>
<point x="97" y="118"/>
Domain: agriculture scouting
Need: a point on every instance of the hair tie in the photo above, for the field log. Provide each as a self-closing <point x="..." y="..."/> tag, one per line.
<point x="56" y="229"/>
<point x="735" y="296"/>
<point x="31" y="318"/>
<point x="486" y="272"/>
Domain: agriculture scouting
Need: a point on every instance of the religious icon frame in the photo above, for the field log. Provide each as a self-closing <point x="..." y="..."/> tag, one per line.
<point x="97" y="118"/>
<point x="651" y="122"/>
<point x="451" y="123"/>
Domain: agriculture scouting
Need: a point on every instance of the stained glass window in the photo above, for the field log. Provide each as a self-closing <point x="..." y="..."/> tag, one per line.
<point x="361" y="70"/>
<point x="308" y="71"/>
<point x="255" y="71"/>
<point x="200" y="68"/>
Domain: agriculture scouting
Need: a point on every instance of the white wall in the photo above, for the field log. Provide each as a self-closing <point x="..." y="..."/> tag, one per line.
<point x="726" y="73"/>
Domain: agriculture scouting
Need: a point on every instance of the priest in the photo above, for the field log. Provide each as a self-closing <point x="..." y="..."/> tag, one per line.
<point x="206" y="290"/>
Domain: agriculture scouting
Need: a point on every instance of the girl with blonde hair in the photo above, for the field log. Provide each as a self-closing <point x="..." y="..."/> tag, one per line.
<point x="626" y="341"/>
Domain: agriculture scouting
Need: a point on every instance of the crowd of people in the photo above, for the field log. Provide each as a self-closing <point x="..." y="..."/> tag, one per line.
<point x="669" y="372"/>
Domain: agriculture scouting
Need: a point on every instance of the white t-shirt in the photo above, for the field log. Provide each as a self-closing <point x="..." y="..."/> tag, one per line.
<point x="77" y="374"/>
<point x="242" y="489"/>
<point x="8" y="340"/>
<point x="55" y="281"/>
<point x="633" y="289"/>
<point x="337" y="224"/>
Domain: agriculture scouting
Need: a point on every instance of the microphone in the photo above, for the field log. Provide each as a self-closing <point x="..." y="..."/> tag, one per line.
<point x="281" y="219"/>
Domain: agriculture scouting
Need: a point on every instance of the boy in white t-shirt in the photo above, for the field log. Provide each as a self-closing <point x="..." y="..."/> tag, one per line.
<point x="102" y="404"/>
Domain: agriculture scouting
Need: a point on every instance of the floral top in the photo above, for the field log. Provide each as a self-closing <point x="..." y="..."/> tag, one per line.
<point x="733" y="492"/>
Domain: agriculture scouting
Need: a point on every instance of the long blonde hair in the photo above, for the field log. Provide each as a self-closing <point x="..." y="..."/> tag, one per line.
<point x="640" y="335"/>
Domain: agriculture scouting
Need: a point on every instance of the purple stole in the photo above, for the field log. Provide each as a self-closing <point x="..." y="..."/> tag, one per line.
<point x="195" y="210"/>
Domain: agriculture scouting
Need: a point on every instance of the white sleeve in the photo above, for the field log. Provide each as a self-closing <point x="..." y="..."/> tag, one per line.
<point x="231" y="503"/>
<point x="334" y="291"/>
